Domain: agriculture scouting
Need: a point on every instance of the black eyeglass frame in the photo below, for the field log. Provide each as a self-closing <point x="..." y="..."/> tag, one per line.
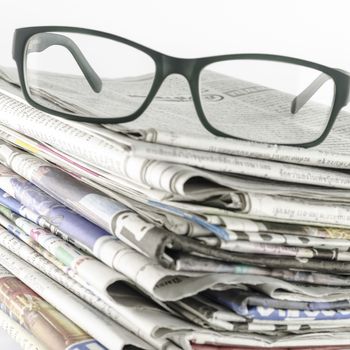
<point x="190" y="68"/>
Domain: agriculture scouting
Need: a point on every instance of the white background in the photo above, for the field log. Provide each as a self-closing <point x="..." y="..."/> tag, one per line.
<point x="312" y="29"/>
<point x="318" y="30"/>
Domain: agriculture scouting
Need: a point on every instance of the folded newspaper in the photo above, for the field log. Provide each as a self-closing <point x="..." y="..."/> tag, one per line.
<point x="144" y="237"/>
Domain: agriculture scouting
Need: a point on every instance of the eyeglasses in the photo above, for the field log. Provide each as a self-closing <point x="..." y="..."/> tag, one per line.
<point x="91" y="76"/>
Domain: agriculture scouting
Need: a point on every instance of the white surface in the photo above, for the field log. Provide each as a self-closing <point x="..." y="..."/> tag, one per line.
<point x="6" y="343"/>
<point x="313" y="29"/>
<point x="317" y="30"/>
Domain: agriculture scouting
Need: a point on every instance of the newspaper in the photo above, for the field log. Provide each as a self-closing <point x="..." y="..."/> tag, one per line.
<point x="159" y="282"/>
<point x="108" y="333"/>
<point x="261" y="207"/>
<point x="42" y="320"/>
<point x="129" y="292"/>
<point x="106" y="212"/>
<point x="206" y="317"/>
<point x="25" y="340"/>
<point x="257" y="212"/>
<point x="278" y="239"/>
<point x="279" y="341"/>
<point x="135" y="205"/>
<point x="201" y="191"/>
<point x="120" y="155"/>
<point x="184" y="245"/>
<point x="246" y="225"/>
<point x="142" y="318"/>
<point x="121" y="162"/>
<point x="205" y="314"/>
<point x="273" y="219"/>
<point x="170" y="335"/>
<point x="174" y="108"/>
<point x="77" y="264"/>
<point x="234" y="347"/>
<point x="219" y="318"/>
<point x="241" y="300"/>
<point x="274" y="249"/>
<point x="191" y="246"/>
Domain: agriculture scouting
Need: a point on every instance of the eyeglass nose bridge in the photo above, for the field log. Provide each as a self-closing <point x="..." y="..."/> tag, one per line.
<point x="174" y="65"/>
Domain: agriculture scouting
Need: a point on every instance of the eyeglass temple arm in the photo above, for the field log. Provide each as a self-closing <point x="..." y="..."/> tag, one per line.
<point x="300" y="100"/>
<point x="348" y="74"/>
<point x="42" y="41"/>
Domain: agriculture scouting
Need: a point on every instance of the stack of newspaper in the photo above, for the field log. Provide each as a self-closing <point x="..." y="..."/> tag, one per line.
<point x="156" y="234"/>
